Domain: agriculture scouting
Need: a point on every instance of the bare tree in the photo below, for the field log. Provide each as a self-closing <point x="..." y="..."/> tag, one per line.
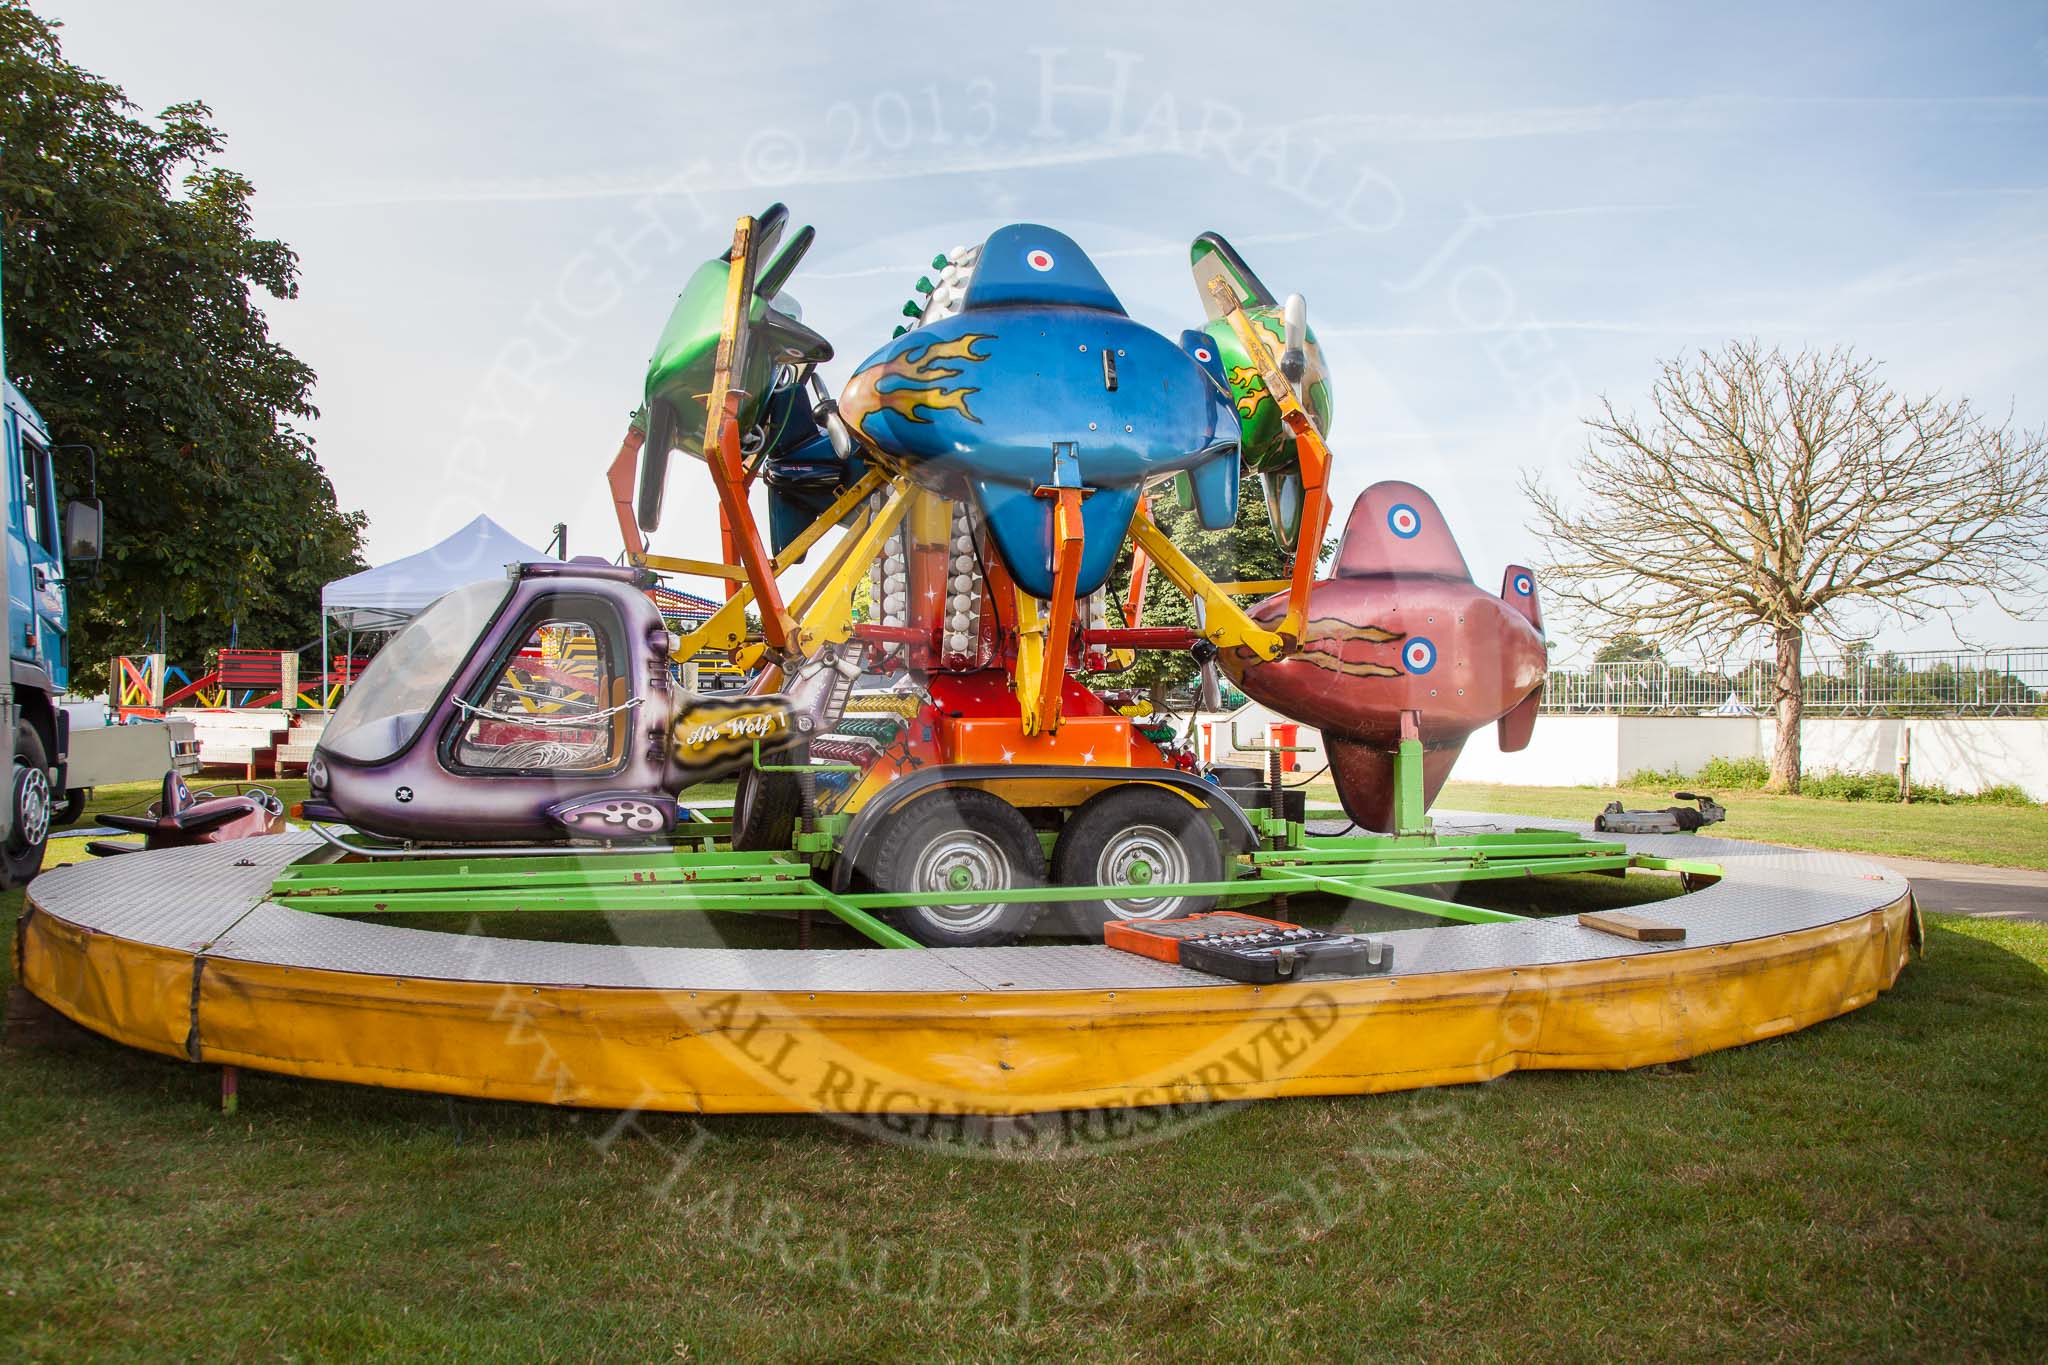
<point x="1773" y="496"/>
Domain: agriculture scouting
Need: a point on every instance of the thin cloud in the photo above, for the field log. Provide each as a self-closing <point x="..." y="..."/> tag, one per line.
<point x="701" y="180"/>
<point x="1702" y="113"/>
<point x="1619" y="326"/>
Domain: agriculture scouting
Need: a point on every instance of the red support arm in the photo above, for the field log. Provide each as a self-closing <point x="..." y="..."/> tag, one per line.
<point x="622" y="476"/>
<point x="1141" y="637"/>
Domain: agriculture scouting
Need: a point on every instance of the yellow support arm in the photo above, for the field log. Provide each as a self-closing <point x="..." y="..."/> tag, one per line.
<point x="1312" y="455"/>
<point x="723" y="631"/>
<point x="841" y="507"/>
<point x="701" y="568"/>
<point x="726" y="629"/>
<point x="1227" y="626"/>
<point x="1031" y="663"/>
<point x="825" y="606"/>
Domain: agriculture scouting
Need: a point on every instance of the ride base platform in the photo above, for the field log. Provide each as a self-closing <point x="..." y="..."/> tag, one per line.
<point x="214" y="955"/>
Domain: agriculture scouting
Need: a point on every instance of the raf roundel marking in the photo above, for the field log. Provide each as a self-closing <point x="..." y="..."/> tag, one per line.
<point x="1404" y="521"/>
<point x="1203" y="354"/>
<point x="1524" y="585"/>
<point x="1419" y="654"/>
<point x="1039" y="259"/>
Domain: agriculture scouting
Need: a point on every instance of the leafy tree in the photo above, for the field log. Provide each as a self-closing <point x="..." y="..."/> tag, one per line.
<point x="1774" y="496"/>
<point x="1628" y="648"/>
<point x="131" y="274"/>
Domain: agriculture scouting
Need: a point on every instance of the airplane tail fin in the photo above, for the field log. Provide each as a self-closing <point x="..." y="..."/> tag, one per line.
<point x="1364" y="776"/>
<point x="1215" y="483"/>
<point x="1515" y="728"/>
<point x="1518" y="590"/>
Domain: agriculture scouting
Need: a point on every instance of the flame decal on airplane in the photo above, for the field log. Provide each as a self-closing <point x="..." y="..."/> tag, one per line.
<point x="1340" y="647"/>
<point x="1250" y="387"/>
<point x="925" y="381"/>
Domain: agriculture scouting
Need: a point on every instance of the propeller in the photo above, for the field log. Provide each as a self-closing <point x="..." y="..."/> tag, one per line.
<point x="1293" y="350"/>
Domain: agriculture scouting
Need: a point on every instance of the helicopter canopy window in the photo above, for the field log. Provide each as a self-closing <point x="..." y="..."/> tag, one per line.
<point x="555" y="705"/>
<point x="385" y="708"/>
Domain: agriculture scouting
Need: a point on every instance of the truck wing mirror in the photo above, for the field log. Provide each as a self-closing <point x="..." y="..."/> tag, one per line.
<point x="82" y="527"/>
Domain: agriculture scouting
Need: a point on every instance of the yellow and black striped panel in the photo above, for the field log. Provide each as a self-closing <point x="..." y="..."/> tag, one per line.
<point x="574" y="651"/>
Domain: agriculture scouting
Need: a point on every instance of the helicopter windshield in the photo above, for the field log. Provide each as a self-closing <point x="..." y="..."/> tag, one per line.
<point x="387" y="705"/>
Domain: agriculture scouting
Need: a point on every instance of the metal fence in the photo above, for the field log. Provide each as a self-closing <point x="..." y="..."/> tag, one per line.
<point x="1993" y="682"/>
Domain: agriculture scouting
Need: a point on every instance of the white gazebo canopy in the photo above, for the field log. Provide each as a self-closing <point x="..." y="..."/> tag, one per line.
<point x="386" y="597"/>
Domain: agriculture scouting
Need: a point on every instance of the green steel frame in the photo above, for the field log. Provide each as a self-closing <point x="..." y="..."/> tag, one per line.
<point x="701" y="871"/>
<point x="1360" y="868"/>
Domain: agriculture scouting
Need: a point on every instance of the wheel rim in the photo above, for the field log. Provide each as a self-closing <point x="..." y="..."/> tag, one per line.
<point x="1143" y="855"/>
<point x="31" y="808"/>
<point x="962" y="860"/>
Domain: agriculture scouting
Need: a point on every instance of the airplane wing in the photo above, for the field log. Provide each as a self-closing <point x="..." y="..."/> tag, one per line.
<point x="1211" y="257"/>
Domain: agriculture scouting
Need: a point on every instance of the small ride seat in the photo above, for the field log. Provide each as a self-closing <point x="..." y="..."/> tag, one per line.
<point x="177" y="820"/>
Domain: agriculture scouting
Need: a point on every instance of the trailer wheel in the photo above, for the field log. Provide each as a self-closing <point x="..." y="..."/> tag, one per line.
<point x="22" y="857"/>
<point x="959" y="839"/>
<point x="71" y="807"/>
<point x="765" y="807"/>
<point x="1134" y="836"/>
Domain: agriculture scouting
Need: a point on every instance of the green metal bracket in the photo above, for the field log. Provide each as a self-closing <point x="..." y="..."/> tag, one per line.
<point x="824" y="838"/>
<point x="887" y="935"/>
<point x="815" y="835"/>
<point x="1411" y="814"/>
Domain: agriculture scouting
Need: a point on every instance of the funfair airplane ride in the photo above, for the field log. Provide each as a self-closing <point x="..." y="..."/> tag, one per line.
<point x="989" y="465"/>
<point x="935" y="754"/>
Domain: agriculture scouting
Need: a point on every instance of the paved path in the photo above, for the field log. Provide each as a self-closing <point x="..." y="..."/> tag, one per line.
<point x="1967" y="889"/>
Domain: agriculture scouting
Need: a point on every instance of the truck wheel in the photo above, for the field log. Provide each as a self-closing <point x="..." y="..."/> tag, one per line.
<point x="1136" y="836"/>
<point x="959" y="839"/>
<point x="765" y="807"/>
<point x="22" y="856"/>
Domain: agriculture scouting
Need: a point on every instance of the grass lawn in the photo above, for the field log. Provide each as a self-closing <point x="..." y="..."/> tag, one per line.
<point x="1875" y="1184"/>
<point x="2002" y="836"/>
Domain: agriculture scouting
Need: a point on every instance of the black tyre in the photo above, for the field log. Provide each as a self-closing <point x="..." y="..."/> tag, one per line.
<point x="765" y="809"/>
<point x="71" y="807"/>
<point x="22" y="856"/>
<point x="958" y="839"/>
<point x="1134" y="836"/>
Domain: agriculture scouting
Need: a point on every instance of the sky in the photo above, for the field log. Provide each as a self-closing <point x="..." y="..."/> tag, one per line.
<point x="1497" y="213"/>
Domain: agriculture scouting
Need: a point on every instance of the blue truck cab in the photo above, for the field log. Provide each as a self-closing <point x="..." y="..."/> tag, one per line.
<point x="38" y="665"/>
<point x="36" y="621"/>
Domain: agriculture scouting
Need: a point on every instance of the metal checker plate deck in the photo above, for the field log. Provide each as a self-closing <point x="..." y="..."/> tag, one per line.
<point x="211" y="900"/>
